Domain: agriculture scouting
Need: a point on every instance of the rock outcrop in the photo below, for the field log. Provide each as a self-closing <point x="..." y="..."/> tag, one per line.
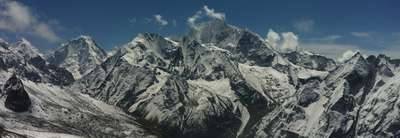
<point x="17" y="99"/>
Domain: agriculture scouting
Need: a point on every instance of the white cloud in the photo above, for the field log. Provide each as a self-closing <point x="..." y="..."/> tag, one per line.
<point x="159" y="20"/>
<point x="192" y="19"/>
<point x="15" y="16"/>
<point x="18" y="18"/>
<point x="211" y="13"/>
<point x="273" y="38"/>
<point x="290" y="42"/>
<point x="360" y="34"/>
<point x="304" y="25"/>
<point x="327" y="46"/>
<point x="205" y="12"/>
<point x="44" y="31"/>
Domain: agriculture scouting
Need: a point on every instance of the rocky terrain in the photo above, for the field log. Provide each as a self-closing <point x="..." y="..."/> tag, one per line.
<point x="218" y="80"/>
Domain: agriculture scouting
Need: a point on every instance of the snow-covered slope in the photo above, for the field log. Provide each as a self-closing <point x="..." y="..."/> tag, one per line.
<point x="79" y="56"/>
<point x="58" y="112"/>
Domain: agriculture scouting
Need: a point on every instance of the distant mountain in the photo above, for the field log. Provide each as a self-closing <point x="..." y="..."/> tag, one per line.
<point x="25" y="60"/>
<point x="26" y="49"/>
<point x="218" y="80"/>
<point x="79" y="56"/>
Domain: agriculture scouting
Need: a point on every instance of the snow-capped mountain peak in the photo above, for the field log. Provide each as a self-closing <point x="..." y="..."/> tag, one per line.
<point x="147" y="49"/>
<point x="24" y="47"/>
<point x="79" y="56"/>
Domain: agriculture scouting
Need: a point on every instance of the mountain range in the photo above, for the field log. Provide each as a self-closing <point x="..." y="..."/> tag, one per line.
<point x="217" y="80"/>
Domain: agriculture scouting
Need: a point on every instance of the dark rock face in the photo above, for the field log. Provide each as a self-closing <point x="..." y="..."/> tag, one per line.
<point x="17" y="98"/>
<point x="308" y="97"/>
<point x="57" y="75"/>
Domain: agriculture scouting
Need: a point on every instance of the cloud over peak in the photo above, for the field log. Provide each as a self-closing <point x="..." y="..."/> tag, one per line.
<point x="273" y="38"/>
<point x="159" y="20"/>
<point x="290" y="42"/>
<point x="212" y="14"/>
<point x="205" y="12"/>
<point x="16" y="17"/>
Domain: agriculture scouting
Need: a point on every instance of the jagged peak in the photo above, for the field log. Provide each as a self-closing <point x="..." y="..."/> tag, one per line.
<point x="206" y="31"/>
<point x="26" y="48"/>
<point x="347" y="55"/>
<point x="24" y="41"/>
<point x="13" y="83"/>
<point x="86" y="37"/>
<point x="356" y="58"/>
<point x="357" y="54"/>
<point x="146" y="44"/>
<point x="83" y="41"/>
<point x="357" y="62"/>
<point x="87" y="40"/>
<point x="383" y="59"/>
<point x="145" y="37"/>
<point x="212" y="25"/>
<point x="151" y="40"/>
<point x="151" y="36"/>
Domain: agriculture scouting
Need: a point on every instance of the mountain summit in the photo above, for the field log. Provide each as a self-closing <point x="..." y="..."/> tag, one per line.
<point x="79" y="56"/>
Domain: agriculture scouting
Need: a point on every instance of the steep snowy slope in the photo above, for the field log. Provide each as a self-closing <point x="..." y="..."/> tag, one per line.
<point x="79" y="56"/>
<point x="341" y="105"/>
<point x="59" y="112"/>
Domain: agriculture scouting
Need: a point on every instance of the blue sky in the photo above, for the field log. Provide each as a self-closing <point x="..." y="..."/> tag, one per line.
<point x="329" y="27"/>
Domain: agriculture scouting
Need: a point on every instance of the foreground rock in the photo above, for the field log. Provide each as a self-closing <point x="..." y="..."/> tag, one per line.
<point x="17" y="98"/>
